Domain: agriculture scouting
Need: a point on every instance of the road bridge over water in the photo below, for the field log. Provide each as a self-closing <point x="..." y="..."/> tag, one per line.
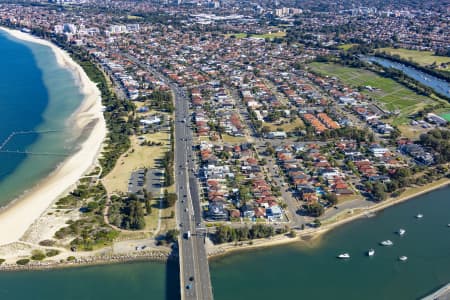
<point x="195" y="281"/>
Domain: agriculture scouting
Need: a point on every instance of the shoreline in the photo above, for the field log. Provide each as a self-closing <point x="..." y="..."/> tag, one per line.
<point x="304" y="236"/>
<point x="216" y="252"/>
<point x="90" y="261"/>
<point x="23" y="211"/>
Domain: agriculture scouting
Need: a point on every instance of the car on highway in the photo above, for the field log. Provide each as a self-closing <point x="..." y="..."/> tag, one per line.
<point x="189" y="286"/>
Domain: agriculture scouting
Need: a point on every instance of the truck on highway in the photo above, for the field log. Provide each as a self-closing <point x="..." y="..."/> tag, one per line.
<point x="187" y="234"/>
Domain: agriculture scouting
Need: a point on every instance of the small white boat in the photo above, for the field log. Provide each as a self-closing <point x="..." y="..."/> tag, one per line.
<point x="371" y="252"/>
<point x="419" y="216"/>
<point x="344" y="256"/>
<point x="448" y="225"/>
<point x="387" y="243"/>
<point x="401" y="231"/>
<point x="403" y="258"/>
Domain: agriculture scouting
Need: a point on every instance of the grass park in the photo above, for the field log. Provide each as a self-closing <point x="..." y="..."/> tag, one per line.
<point x="390" y="94"/>
<point x="137" y="157"/>
<point x="286" y="125"/>
<point x="422" y="58"/>
<point x="345" y="47"/>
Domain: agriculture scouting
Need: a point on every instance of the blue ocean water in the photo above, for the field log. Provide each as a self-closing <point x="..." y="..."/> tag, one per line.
<point x="37" y="95"/>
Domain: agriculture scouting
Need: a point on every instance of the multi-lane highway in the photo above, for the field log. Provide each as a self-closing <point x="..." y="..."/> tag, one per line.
<point x="195" y="281"/>
<point x="194" y="268"/>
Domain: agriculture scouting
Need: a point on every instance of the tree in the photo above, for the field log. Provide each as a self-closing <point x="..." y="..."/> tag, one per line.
<point x="133" y="214"/>
<point x="332" y="198"/>
<point x="317" y="223"/>
<point x="172" y="235"/>
<point x="170" y="198"/>
<point x="379" y="191"/>
<point x="315" y="209"/>
<point x="148" y="206"/>
<point x="91" y="206"/>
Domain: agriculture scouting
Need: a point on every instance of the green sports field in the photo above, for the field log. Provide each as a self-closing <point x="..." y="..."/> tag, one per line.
<point x="391" y="95"/>
<point x="446" y="116"/>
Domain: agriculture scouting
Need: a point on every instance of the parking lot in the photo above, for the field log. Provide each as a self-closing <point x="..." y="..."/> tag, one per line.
<point x="136" y="182"/>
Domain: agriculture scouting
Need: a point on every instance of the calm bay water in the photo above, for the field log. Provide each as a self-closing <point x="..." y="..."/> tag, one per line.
<point x="315" y="273"/>
<point x="35" y="95"/>
<point x="297" y="271"/>
<point x="128" y="281"/>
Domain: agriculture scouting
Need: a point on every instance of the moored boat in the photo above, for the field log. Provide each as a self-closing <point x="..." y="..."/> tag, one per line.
<point x="419" y="216"/>
<point x="403" y="258"/>
<point x="344" y="256"/>
<point x="387" y="243"/>
<point x="401" y="231"/>
<point x="371" y="252"/>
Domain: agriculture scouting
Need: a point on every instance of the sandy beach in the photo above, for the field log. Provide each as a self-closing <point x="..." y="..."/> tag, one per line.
<point x="17" y="217"/>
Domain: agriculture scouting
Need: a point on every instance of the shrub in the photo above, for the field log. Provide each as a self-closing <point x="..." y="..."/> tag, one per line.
<point x="1" y="261"/>
<point x="47" y="243"/>
<point x="71" y="258"/>
<point x="37" y="255"/>
<point x="23" y="261"/>
<point x="51" y="252"/>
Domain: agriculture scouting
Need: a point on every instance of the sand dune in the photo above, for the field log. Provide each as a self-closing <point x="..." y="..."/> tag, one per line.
<point x="19" y="215"/>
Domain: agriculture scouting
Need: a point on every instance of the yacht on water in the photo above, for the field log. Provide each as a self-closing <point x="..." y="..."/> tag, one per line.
<point x="371" y="252"/>
<point x="344" y="255"/>
<point x="401" y="231"/>
<point x="403" y="258"/>
<point x="387" y="243"/>
<point x="419" y="216"/>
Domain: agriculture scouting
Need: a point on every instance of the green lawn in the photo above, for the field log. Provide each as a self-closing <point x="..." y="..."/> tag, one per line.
<point x="288" y="126"/>
<point x="345" y="47"/>
<point x="270" y="35"/>
<point x="132" y="17"/>
<point x="391" y="95"/>
<point x="421" y="57"/>
<point x="233" y="139"/>
<point x="446" y="116"/>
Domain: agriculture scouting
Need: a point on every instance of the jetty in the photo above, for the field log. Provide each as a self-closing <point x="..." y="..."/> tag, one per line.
<point x="442" y="294"/>
<point x="26" y="132"/>
<point x="33" y="153"/>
